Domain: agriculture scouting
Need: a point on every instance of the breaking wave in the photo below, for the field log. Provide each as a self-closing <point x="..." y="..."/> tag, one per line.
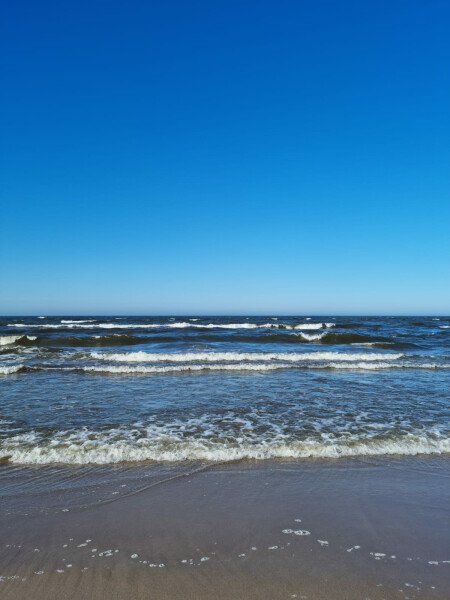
<point x="355" y="366"/>
<point x="165" y="446"/>
<point x="126" y="370"/>
<point x="73" y="322"/>
<point x="127" y="339"/>
<point x="241" y="356"/>
<point x="11" y="369"/>
<point x="171" y="325"/>
<point x="312" y="337"/>
<point x="7" y="340"/>
<point x="119" y="339"/>
<point x="115" y="339"/>
<point x="108" y="369"/>
<point x="350" y="338"/>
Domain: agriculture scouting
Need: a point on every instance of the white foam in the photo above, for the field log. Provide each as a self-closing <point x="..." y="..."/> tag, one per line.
<point x="312" y="337"/>
<point x="6" y="340"/>
<point x="237" y="366"/>
<point x="172" y="325"/>
<point x="124" y="370"/>
<point x="243" y="356"/>
<point x="87" y="447"/>
<point x="10" y="370"/>
<point x="385" y="365"/>
<point x="313" y="325"/>
<point x="73" y="322"/>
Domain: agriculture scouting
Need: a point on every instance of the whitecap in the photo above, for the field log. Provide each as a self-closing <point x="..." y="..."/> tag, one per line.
<point x="116" y="446"/>
<point x="243" y="356"/>
<point x="6" y="340"/>
<point x="10" y="370"/>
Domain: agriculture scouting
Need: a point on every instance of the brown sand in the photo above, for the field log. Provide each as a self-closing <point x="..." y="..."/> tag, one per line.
<point x="335" y="530"/>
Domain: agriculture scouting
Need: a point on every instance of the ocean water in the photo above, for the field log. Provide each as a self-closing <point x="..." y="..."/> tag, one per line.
<point x="101" y="390"/>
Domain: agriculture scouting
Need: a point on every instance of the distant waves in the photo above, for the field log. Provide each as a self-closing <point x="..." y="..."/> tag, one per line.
<point x="91" y="324"/>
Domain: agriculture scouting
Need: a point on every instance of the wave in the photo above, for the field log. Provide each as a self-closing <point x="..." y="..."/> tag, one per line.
<point x="174" y="325"/>
<point x="325" y="337"/>
<point x="312" y="337"/>
<point x="242" y="356"/>
<point x="124" y="339"/>
<point x="389" y="345"/>
<point x="49" y="326"/>
<point x="115" y="339"/>
<point x="305" y="326"/>
<point x="284" y="338"/>
<point x="313" y="325"/>
<point x="7" y="340"/>
<point x="161" y="447"/>
<point x="73" y="322"/>
<point x="125" y="370"/>
<point x="210" y="367"/>
<point x="354" y="366"/>
<point x="11" y="369"/>
<point x="350" y="338"/>
<point x="385" y="365"/>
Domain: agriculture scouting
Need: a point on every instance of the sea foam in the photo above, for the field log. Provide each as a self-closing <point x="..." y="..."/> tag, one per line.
<point x="10" y="369"/>
<point x="88" y="447"/>
<point x="6" y="340"/>
<point x="148" y="369"/>
<point x="242" y="356"/>
<point x="67" y="324"/>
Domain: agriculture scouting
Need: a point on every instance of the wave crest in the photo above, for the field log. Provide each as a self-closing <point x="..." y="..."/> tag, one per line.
<point x="242" y="356"/>
<point x="11" y="369"/>
<point x="104" y="449"/>
<point x="170" y="325"/>
<point x="8" y="340"/>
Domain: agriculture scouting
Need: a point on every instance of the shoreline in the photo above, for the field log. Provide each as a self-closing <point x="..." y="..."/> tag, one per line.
<point x="318" y="529"/>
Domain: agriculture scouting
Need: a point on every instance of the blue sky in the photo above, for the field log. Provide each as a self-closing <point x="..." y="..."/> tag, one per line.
<point x="225" y="157"/>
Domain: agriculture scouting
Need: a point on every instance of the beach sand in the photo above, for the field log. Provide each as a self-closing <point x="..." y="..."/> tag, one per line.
<point x="335" y="529"/>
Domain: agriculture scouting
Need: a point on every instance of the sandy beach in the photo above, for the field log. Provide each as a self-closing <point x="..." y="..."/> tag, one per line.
<point x="346" y="529"/>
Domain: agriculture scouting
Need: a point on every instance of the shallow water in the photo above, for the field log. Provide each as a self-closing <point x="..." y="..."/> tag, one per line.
<point x="348" y="529"/>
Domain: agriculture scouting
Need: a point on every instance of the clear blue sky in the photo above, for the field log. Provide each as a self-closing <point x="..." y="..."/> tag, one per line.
<point x="225" y="157"/>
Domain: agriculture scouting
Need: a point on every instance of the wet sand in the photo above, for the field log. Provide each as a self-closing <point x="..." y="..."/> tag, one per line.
<point x="343" y="529"/>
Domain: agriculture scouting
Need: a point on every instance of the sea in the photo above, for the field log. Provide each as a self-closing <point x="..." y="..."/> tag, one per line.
<point x="101" y="390"/>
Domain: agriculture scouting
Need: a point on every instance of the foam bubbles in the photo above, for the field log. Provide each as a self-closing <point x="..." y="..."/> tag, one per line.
<point x="209" y="441"/>
<point x="10" y="370"/>
<point x="241" y="357"/>
<point x="8" y="340"/>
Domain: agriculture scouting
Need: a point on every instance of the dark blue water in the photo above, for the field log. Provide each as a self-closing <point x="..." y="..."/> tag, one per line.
<point x="118" y="389"/>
